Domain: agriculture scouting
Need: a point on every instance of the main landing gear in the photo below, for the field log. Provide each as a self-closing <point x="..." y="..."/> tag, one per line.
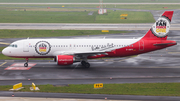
<point x="85" y="64"/>
<point x="26" y="63"/>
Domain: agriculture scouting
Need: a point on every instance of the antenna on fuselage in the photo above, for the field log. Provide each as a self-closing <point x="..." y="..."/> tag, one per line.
<point x="28" y="38"/>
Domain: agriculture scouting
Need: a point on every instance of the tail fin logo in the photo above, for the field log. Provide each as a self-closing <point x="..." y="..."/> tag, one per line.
<point x="161" y="27"/>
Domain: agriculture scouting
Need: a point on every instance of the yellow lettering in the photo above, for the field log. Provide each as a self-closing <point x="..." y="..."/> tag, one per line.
<point x="161" y="30"/>
<point x="42" y="50"/>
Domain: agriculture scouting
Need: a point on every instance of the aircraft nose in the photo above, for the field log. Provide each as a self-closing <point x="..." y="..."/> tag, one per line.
<point x="4" y="51"/>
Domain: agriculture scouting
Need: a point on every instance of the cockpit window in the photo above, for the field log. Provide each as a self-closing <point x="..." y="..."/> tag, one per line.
<point x="13" y="45"/>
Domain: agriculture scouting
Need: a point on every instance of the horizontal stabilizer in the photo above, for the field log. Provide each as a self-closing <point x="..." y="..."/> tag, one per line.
<point x="161" y="44"/>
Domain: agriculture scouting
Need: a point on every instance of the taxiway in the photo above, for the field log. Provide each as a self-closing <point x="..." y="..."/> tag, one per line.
<point x="67" y="26"/>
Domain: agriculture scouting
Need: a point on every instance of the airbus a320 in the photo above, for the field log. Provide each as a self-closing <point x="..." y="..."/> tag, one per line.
<point x="68" y="51"/>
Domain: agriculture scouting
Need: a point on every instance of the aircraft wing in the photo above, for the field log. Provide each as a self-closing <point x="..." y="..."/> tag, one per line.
<point x="90" y="53"/>
<point x="95" y="51"/>
<point x="79" y="53"/>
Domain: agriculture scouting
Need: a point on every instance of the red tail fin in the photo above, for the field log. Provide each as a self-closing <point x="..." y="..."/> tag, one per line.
<point x="161" y="27"/>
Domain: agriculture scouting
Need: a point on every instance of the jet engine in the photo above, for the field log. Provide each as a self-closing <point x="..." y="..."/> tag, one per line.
<point x="65" y="59"/>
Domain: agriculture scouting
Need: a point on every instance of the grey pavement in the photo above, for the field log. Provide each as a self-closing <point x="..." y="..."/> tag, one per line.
<point x="89" y="96"/>
<point x="91" y="3"/>
<point x="87" y="26"/>
<point x="51" y="99"/>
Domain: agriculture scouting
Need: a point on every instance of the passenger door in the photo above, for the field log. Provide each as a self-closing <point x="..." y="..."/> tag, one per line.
<point x="26" y="46"/>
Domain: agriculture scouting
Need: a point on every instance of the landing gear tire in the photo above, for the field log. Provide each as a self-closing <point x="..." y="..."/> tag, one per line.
<point x="25" y="64"/>
<point x="85" y="64"/>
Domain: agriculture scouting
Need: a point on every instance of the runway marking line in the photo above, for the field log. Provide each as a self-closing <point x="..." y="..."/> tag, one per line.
<point x="17" y="68"/>
<point x="20" y="66"/>
<point x="3" y="64"/>
<point x="4" y="43"/>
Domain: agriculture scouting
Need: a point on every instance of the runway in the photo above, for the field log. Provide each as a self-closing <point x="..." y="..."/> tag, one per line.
<point x="88" y="26"/>
<point x="50" y="73"/>
<point x="98" y="97"/>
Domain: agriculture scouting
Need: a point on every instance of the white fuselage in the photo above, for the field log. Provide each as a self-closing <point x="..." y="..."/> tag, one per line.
<point x="54" y="47"/>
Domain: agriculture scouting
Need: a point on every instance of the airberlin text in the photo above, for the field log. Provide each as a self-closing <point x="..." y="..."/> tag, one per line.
<point x="65" y="60"/>
<point x="102" y="47"/>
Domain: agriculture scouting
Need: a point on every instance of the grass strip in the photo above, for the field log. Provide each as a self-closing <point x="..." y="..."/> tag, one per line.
<point x="151" y="89"/>
<point x="62" y="15"/>
<point x="89" y="1"/>
<point x="52" y="33"/>
<point x="88" y="8"/>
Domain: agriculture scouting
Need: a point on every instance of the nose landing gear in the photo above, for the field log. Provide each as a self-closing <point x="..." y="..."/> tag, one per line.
<point x="26" y="63"/>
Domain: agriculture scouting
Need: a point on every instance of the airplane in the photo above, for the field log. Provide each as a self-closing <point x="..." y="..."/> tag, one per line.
<point x="68" y="51"/>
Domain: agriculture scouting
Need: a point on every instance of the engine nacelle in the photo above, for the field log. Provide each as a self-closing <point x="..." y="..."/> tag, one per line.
<point x="65" y="59"/>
